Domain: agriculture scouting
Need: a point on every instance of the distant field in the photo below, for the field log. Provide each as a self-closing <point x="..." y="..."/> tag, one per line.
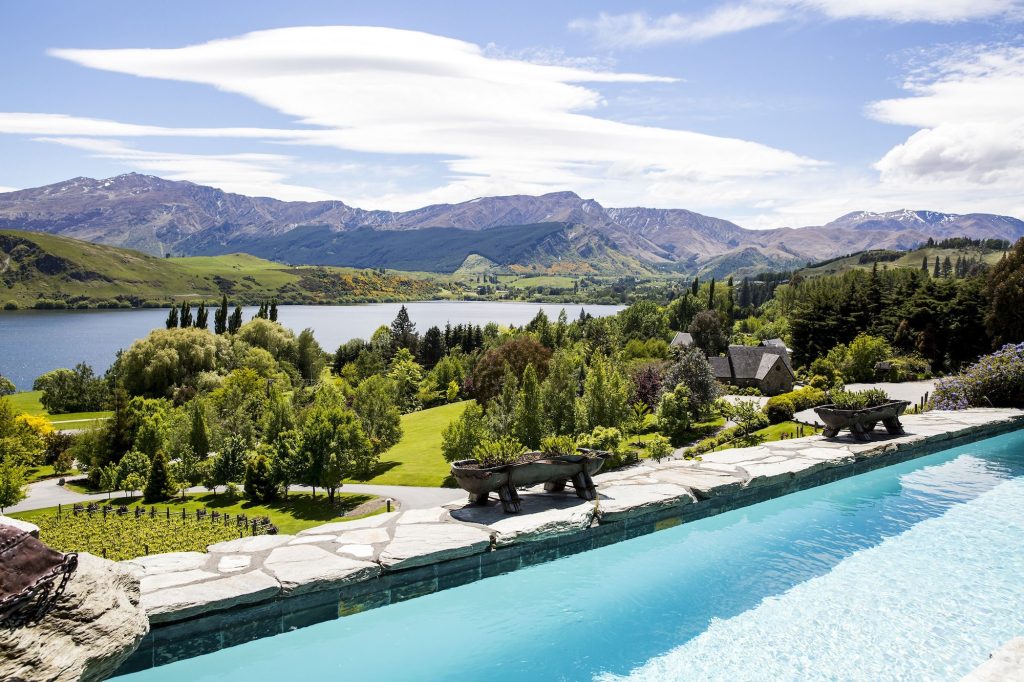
<point x="417" y="459"/>
<point x="543" y="281"/>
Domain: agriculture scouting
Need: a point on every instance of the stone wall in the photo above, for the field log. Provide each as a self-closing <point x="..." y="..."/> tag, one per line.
<point x="260" y="586"/>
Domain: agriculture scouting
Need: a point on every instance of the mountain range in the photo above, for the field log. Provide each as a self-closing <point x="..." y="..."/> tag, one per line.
<point x="556" y="232"/>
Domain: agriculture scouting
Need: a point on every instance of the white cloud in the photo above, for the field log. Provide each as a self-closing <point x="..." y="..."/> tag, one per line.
<point x="499" y="125"/>
<point x="968" y="107"/>
<point x="252" y="174"/>
<point x="638" y="29"/>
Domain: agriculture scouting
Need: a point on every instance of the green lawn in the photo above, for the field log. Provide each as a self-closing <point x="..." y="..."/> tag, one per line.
<point x="27" y="402"/>
<point x="558" y="281"/>
<point x="45" y="471"/>
<point x="296" y="512"/>
<point x="770" y="433"/>
<point x="417" y="459"/>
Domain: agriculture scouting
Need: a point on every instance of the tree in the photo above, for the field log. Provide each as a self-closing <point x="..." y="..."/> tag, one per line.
<point x="647" y="386"/>
<point x="406" y="375"/>
<point x="187" y="470"/>
<point x="7" y="386"/>
<point x="335" y="445"/>
<point x="938" y="268"/>
<point x="199" y="436"/>
<point x="747" y="414"/>
<point x="675" y="414"/>
<point x="166" y="358"/>
<point x="1005" y="287"/>
<point x="148" y="436"/>
<point x="235" y="321"/>
<point x="229" y="464"/>
<point x="559" y="394"/>
<point x="403" y="332"/>
<point x="636" y="419"/>
<point x="202" y="316"/>
<point x="273" y="310"/>
<point x="529" y="417"/>
<point x="924" y="263"/>
<point x="864" y="353"/>
<point x="711" y="294"/>
<point x="374" y="401"/>
<point x="280" y="417"/>
<point x="708" y="331"/>
<point x="501" y="411"/>
<point x="220" y="318"/>
<point x="643" y="320"/>
<point x="605" y="400"/>
<point x="659" y="447"/>
<point x="517" y="353"/>
<point x="432" y="348"/>
<point x="159" y="485"/>
<point x="172" y="317"/>
<point x="691" y="368"/>
<point x="260" y="485"/>
<point x="71" y="390"/>
<point x="287" y="459"/>
<point x="694" y="286"/>
<point x="133" y="471"/>
<point x="309" y="357"/>
<point x="12" y="484"/>
<point x="185" y="316"/>
<point x="462" y="434"/>
<point x="108" y="478"/>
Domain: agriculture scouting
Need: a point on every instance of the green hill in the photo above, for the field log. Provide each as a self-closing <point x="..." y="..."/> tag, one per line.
<point x="45" y="271"/>
<point x="865" y="260"/>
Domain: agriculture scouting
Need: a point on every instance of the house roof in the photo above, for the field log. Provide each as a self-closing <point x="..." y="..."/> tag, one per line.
<point x="754" y="362"/>
<point x="776" y="343"/>
<point x="682" y="339"/>
<point x="720" y="366"/>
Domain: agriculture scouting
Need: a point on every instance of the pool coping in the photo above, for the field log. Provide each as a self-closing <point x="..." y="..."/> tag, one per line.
<point x="200" y="603"/>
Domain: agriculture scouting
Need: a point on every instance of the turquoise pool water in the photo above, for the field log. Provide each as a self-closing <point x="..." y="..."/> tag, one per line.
<point x="913" y="572"/>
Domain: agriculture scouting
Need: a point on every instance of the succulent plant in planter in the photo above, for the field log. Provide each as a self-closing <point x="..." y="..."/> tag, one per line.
<point x="504" y="450"/>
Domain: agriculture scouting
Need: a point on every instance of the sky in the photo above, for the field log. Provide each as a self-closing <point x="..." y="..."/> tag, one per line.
<point x="765" y="112"/>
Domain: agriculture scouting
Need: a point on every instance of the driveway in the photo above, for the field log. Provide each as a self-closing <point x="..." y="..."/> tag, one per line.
<point x="48" y="494"/>
<point x="907" y="390"/>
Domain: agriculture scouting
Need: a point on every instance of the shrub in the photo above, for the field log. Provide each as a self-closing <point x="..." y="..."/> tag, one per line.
<point x="857" y="400"/>
<point x="805" y="398"/>
<point x="558" y="445"/>
<point x="674" y="415"/>
<point x="658" y="448"/>
<point x="259" y="479"/>
<point x="779" y="409"/>
<point x="504" y="450"/>
<point x="996" y="380"/>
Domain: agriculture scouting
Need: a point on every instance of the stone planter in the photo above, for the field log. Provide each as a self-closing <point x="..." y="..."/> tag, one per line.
<point x="553" y="471"/>
<point x="862" y="422"/>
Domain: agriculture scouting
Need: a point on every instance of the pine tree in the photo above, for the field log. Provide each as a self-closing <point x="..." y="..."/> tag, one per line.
<point x="185" y="316"/>
<point x="947" y="267"/>
<point x="158" y="484"/>
<point x="220" y="318"/>
<point x="937" y="272"/>
<point x="202" y="316"/>
<point x="273" y="310"/>
<point x="711" y="295"/>
<point x="695" y="286"/>
<point x="235" y="321"/>
<point x="172" y="317"/>
<point x="924" y="263"/>
<point x="403" y="331"/>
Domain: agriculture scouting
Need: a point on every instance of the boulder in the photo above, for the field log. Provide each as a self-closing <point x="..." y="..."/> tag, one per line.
<point x="304" y="568"/>
<point x="419" y="544"/>
<point x="30" y="528"/>
<point x="97" y="624"/>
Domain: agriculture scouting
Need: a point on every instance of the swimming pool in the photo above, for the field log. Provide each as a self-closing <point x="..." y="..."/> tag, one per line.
<point x="913" y="571"/>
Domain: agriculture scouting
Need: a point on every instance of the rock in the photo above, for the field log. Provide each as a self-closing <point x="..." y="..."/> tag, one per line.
<point x="232" y="563"/>
<point x="543" y="516"/>
<point x="621" y="501"/>
<point x="172" y="562"/>
<point x="304" y="568"/>
<point x="160" y="581"/>
<point x="358" y="551"/>
<point x="255" y="543"/>
<point x="704" y="482"/>
<point x="432" y="515"/>
<point x="30" y="528"/>
<point x="184" y="601"/>
<point x="341" y="526"/>
<point x="312" y="539"/>
<point x="94" y="629"/>
<point x="418" y="544"/>
<point x="779" y="471"/>
<point x="366" y="536"/>
<point x="1004" y="665"/>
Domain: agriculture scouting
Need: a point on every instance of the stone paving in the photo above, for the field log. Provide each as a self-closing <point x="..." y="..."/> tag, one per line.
<point x="1006" y="664"/>
<point x="378" y="550"/>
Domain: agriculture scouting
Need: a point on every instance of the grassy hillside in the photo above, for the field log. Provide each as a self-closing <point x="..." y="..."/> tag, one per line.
<point x="41" y="270"/>
<point x="900" y="259"/>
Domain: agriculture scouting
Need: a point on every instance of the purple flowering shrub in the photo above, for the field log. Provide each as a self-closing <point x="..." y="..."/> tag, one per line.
<point x="995" y="380"/>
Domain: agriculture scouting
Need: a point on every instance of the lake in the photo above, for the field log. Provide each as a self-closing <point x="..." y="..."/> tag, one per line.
<point x="35" y="341"/>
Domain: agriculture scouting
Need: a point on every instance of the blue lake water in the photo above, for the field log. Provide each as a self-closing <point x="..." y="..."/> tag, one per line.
<point x="912" y="572"/>
<point x="35" y="341"/>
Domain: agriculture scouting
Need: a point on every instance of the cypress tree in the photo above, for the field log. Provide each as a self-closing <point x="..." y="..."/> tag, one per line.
<point x="202" y="316"/>
<point x="938" y="268"/>
<point x="172" y="317"/>
<point x="186" y="314"/>
<point x="695" y="286"/>
<point x="158" y="484"/>
<point x="711" y="295"/>
<point x="947" y="267"/>
<point x="924" y="263"/>
<point x="529" y="424"/>
<point x="199" y="437"/>
<point x="273" y="310"/>
<point x="220" y="318"/>
<point x="235" y="321"/>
